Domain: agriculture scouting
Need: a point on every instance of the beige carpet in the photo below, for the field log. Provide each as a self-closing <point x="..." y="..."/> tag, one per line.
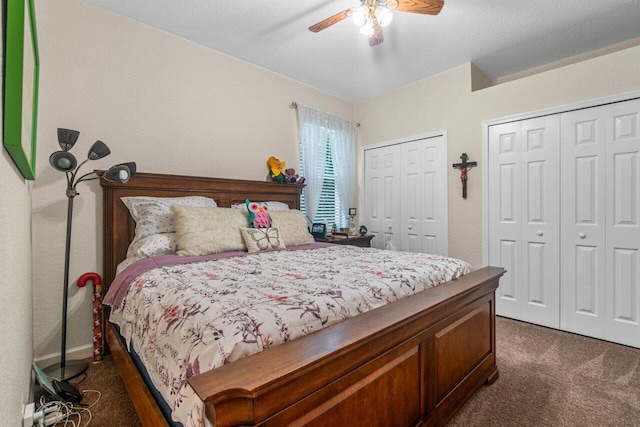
<point x="547" y="378"/>
<point x="553" y="378"/>
<point x="114" y="409"/>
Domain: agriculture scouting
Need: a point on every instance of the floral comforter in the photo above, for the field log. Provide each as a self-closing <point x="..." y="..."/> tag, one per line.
<point x="191" y="318"/>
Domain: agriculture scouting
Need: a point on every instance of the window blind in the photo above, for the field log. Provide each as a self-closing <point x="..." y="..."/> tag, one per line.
<point x="329" y="208"/>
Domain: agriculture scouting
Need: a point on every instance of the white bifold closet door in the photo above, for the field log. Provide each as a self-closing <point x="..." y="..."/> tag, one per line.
<point x="524" y="205"/>
<point x="405" y="195"/>
<point x="382" y="194"/>
<point x="423" y="202"/>
<point x="600" y="222"/>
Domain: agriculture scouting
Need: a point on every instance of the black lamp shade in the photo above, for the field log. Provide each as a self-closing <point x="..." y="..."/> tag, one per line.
<point x="63" y="161"/>
<point x="98" y="150"/>
<point x="67" y="138"/>
<point x="120" y="173"/>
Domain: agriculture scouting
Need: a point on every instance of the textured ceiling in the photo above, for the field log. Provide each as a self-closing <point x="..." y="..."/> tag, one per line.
<point x="501" y="37"/>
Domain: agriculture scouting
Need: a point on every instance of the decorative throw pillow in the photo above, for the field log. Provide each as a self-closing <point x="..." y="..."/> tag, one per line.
<point x="262" y="239"/>
<point x="203" y="231"/>
<point x="293" y="227"/>
<point x="258" y="214"/>
<point x="153" y="214"/>
<point x="273" y="206"/>
<point x="154" y="245"/>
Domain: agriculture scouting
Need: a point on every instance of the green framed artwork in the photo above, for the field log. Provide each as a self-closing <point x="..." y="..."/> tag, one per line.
<point x="22" y="65"/>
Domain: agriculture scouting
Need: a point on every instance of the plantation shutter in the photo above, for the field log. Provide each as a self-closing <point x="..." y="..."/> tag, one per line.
<point x="329" y="207"/>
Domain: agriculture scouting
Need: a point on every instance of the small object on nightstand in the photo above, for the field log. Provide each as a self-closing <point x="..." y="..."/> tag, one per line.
<point x="319" y="230"/>
<point x="352" y="223"/>
<point x="363" y="230"/>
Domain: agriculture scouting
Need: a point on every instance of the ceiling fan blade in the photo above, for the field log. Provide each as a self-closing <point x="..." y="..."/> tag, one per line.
<point x="331" y="20"/>
<point x="427" y="7"/>
<point x="376" y="38"/>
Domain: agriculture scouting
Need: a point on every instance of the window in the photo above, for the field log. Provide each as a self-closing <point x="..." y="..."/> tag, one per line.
<point x="329" y="209"/>
<point x="327" y="160"/>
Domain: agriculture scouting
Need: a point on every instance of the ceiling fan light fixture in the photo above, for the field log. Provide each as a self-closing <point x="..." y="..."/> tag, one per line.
<point x="359" y="17"/>
<point x="392" y="4"/>
<point x="367" y="29"/>
<point x="384" y="16"/>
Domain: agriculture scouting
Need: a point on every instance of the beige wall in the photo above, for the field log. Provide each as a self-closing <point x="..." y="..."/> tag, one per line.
<point x="445" y="101"/>
<point x="168" y="104"/>
<point x="16" y="312"/>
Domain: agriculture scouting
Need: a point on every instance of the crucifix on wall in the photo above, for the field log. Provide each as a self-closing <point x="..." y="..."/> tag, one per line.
<point x="464" y="167"/>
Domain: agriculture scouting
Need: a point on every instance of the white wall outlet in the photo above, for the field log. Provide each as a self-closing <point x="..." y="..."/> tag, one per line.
<point x="27" y="416"/>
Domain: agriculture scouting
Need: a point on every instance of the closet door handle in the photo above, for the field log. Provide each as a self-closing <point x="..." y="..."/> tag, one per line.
<point x="410" y="227"/>
<point x="582" y="235"/>
<point x="540" y="233"/>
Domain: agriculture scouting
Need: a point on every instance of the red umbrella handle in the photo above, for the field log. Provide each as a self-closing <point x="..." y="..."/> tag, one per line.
<point x="97" y="311"/>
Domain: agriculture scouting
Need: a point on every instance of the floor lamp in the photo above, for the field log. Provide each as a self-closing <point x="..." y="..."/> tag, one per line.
<point x="64" y="161"/>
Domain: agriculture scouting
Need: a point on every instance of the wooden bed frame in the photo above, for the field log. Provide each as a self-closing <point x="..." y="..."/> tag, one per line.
<point x="412" y="362"/>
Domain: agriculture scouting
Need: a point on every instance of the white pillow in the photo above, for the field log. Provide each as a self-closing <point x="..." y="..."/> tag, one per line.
<point x="154" y="245"/>
<point x="262" y="239"/>
<point x="203" y="231"/>
<point x="153" y="214"/>
<point x="272" y="206"/>
<point x="293" y="227"/>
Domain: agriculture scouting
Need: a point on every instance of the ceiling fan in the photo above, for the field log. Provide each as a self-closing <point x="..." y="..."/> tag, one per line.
<point x="372" y="15"/>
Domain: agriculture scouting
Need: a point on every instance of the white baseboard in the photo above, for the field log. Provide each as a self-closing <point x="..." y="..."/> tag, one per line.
<point x="81" y="352"/>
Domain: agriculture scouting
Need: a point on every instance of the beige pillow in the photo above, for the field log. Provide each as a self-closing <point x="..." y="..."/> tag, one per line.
<point x="292" y="225"/>
<point x="203" y="231"/>
<point x="262" y="239"/>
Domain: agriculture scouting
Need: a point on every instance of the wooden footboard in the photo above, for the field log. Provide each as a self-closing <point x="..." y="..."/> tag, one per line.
<point x="412" y="362"/>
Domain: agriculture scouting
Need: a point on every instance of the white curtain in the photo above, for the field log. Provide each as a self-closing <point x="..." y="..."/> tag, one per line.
<point x="314" y="129"/>
<point x="312" y="133"/>
<point x="343" y="149"/>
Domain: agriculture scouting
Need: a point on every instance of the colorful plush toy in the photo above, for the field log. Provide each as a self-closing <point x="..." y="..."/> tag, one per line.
<point x="276" y="170"/>
<point x="293" y="177"/>
<point x="258" y="215"/>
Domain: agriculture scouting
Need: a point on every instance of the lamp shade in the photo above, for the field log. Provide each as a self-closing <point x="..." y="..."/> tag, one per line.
<point x="67" y="138"/>
<point x="132" y="167"/>
<point x="120" y="173"/>
<point x="63" y="161"/>
<point x="98" y="150"/>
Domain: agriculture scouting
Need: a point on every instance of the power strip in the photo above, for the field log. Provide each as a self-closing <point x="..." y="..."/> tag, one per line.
<point x="27" y="415"/>
<point x="44" y="417"/>
<point x="54" y="418"/>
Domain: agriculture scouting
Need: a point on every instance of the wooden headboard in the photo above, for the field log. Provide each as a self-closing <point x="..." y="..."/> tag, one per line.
<point x="119" y="227"/>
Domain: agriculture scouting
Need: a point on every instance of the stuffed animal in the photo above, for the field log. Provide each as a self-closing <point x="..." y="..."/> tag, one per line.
<point x="293" y="177"/>
<point x="258" y="214"/>
<point x="276" y="170"/>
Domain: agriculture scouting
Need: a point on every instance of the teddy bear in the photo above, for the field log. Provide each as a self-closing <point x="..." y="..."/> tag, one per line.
<point x="292" y="177"/>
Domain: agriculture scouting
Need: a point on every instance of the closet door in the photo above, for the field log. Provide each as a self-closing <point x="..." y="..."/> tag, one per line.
<point x="583" y="221"/>
<point x="424" y="197"/>
<point x="622" y="284"/>
<point x="541" y="221"/>
<point x="524" y="221"/>
<point x="505" y="213"/>
<point x="382" y="195"/>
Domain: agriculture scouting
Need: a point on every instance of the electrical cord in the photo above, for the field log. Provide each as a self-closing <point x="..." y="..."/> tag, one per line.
<point x="58" y="413"/>
<point x="79" y="382"/>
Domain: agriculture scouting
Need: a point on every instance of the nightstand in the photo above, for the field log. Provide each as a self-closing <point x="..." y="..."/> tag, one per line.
<point x="362" y="241"/>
